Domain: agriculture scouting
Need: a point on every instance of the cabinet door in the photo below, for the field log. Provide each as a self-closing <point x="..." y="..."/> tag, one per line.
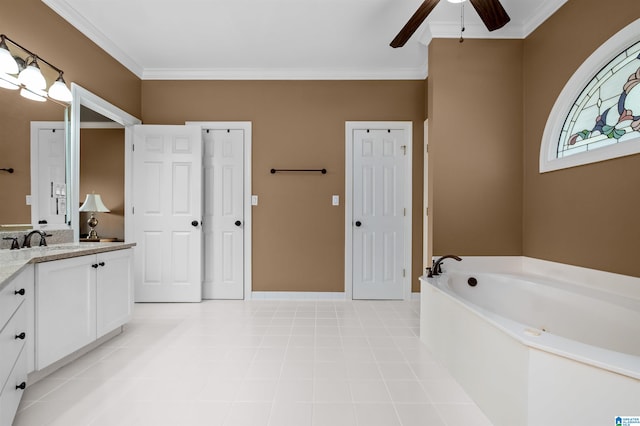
<point x="114" y="290"/>
<point x="65" y="308"/>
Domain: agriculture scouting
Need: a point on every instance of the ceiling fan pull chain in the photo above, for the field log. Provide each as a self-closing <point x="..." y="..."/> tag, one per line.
<point x="461" y="21"/>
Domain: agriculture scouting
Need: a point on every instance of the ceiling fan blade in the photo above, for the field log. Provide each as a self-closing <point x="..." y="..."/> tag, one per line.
<point x="492" y="13"/>
<point x="413" y="23"/>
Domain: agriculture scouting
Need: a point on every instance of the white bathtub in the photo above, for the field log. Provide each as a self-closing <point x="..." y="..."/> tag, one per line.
<point x="531" y="350"/>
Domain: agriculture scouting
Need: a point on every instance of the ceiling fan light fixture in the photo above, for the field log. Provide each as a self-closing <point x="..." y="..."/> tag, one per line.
<point x="456" y="1"/>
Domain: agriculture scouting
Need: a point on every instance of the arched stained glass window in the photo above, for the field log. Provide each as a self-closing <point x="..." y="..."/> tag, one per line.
<point x="608" y="109"/>
<point x="597" y="115"/>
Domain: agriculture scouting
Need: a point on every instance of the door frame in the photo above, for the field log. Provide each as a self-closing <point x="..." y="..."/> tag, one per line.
<point x="350" y="126"/>
<point x="246" y="197"/>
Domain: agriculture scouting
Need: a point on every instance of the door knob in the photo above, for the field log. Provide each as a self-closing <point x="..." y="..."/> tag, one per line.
<point x="21" y="336"/>
<point x="358" y="223"/>
<point x="194" y="223"/>
<point x="238" y="223"/>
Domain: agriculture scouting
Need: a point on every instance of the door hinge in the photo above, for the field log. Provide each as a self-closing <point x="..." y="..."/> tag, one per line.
<point x="133" y="147"/>
<point x="133" y="210"/>
<point x="404" y="149"/>
<point x="426" y="211"/>
<point x="426" y="148"/>
<point x="404" y="273"/>
<point x="404" y="211"/>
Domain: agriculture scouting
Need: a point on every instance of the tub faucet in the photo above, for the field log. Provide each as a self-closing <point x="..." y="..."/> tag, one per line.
<point x="27" y="238"/>
<point x="436" y="268"/>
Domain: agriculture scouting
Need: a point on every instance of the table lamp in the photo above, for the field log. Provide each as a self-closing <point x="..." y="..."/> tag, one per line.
<point x="93" y="204"/>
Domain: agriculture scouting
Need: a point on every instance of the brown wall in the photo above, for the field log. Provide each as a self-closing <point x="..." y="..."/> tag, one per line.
<point x="298" y="237"/>
<point x="587" y="215"/>
<point x="33" y="25"/>
<point x="102" y="172"/>
<point x="475" y="146"/>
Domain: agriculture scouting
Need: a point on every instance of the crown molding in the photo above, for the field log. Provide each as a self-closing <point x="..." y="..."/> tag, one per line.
<point x="69" y="14"/>
<point x="513" y="30"/>
<point x="418" y="73"/>
<point x="543" y="14"/>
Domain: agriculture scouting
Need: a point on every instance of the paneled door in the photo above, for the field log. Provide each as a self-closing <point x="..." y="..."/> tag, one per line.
<point x="167" y="208"/>
<point x="48" y="188"/>
<point x="378" y="213"/>
<point x="223" y="223"/>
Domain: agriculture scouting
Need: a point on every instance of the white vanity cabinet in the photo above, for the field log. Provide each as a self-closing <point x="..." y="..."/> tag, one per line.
<point x="14" y="334"/>
<point x="78" y="300"/>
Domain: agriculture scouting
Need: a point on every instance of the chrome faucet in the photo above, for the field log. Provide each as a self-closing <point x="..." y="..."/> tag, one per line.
<point x="27" y="238"/>
<point x="436" y="268"/>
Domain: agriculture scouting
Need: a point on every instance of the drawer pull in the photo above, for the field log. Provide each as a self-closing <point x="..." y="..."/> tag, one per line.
<point x="101" y="263"/>
<point x="20" y="292"/>
<point x="21" y="336"/>
<point x="22" y="386"/>
<point x="95" y="265"/>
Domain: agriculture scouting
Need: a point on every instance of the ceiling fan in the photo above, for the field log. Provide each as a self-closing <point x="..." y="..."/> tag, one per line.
<point x="491" y="12"/>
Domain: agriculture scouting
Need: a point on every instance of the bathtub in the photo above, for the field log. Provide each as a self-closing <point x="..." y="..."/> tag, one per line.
<point x="531" y="349"/>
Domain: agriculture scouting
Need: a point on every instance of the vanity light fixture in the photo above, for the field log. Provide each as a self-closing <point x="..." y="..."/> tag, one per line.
<point x="25" y="74"/>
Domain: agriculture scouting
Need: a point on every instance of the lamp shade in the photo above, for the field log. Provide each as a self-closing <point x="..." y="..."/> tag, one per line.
<point x="7" y="63"/>
<point x="59" y="91"/>
<point x="8" y="81"/>
<point x="93" y="203"/>
<point x="32" y="77"/>
<point x="34" y="94"/>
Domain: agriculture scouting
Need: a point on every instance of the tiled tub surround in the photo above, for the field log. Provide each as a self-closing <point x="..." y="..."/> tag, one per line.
<point x="257" y="363"/>
<point x="535" y="342"/>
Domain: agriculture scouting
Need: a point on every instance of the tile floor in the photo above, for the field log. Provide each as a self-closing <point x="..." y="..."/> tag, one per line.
<point x="257" y="363"/>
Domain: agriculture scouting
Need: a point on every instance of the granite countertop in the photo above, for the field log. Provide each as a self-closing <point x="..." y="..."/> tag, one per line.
<point x="12" y="261"/>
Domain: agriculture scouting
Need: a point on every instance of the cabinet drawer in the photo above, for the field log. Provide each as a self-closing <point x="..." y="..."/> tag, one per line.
<point x="12" y="391"/>
<point x="12" y="339"/>
<point x="10" y="298"/>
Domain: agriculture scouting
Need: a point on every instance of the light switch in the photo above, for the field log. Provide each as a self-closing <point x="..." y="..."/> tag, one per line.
<point x="28" y="200"/>
<point x="254" y="200"/>
<point x="335" y="200"/>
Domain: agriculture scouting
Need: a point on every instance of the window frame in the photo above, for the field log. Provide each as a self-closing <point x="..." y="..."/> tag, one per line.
<point x="549" y="160"/>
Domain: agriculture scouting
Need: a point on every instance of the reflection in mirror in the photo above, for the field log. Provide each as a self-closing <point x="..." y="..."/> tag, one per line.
<point x="100" y="132"/>
<point x="102" y="174"/>
<point x="16" y="115"/>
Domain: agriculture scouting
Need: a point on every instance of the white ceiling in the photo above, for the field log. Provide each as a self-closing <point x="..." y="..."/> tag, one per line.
<point x="280" y="39"/>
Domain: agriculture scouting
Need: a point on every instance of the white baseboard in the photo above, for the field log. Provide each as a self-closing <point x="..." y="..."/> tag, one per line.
<point x="297" y="295"/>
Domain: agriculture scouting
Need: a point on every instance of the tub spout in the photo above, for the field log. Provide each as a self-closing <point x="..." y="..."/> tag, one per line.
<point x="436" y="268"/>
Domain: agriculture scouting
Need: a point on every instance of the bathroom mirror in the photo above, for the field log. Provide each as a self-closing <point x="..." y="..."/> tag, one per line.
<point x="91" y="118"/>
<point x="16" y="115"/>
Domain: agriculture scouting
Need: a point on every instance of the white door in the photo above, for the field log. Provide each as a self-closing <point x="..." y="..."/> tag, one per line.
<point x="167" y="194"/>
<point x="379" y="209"/>
<point x="223" y="222"/>
<point x="49" y="201"/>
